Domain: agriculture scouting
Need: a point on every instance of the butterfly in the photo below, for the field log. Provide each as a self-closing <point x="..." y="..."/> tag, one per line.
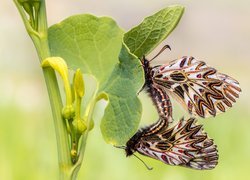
<point x="185" y="144"/>
<point x="201" y="89"/>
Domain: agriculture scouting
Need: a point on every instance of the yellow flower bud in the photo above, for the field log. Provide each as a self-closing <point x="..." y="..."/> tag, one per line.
<point x="79" y="125"/>
<point x="79" y="84"/>
<point x="68" y="112"/>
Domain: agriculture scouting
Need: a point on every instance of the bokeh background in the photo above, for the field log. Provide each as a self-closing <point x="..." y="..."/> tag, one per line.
<point x="215" y="31"/>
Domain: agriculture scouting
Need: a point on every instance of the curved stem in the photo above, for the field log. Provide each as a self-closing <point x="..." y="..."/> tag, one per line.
<point x="40" y="40"/>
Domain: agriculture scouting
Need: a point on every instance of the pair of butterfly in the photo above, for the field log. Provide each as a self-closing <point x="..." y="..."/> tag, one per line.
<point x="203" y="92"/>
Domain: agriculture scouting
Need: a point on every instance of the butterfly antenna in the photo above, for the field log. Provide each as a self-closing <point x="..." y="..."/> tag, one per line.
<point x="149" y="168"/>
<point x="162" y="49"/>
<point x="120" y="147"/>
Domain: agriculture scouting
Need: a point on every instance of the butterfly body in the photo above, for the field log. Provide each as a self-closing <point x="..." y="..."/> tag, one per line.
<point x="156" y="92"/>
<point x="132" y="144"/>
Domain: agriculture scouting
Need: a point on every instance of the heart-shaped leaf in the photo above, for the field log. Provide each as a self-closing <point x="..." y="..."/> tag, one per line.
<point x="87" y="42"/>
<point x="93" y="45"/>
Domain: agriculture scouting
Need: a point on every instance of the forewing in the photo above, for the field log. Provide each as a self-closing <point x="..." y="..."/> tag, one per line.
<point x="185" y="144"/>
<point x="201" y="89"/>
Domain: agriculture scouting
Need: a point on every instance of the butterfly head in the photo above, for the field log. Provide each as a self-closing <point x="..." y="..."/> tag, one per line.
<point x="130" y="147"/>
<point x="148" y="70"/>
<point x="145" y="64"/>
<point x="129" y="151"/>
<point x="132" y="144"/>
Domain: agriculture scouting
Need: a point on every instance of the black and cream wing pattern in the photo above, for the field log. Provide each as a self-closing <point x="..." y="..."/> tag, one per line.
<point x="201" y="89"/>
<point x="185" y="144"/>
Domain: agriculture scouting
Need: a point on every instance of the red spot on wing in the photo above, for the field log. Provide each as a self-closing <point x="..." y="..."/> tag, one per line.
<point x="165" y="78"/>
<point x="179" y="125"/>
<point x="195" y="97"/>
<point x="190" y="106"/>
<point x="164" y="158"/>
<point x="162" y="68"/>
<point x="180" y="151"/>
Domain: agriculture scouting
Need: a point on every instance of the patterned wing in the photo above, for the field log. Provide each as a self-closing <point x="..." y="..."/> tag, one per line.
<point x="185" y="144"/>
<point x="201" y="89"/>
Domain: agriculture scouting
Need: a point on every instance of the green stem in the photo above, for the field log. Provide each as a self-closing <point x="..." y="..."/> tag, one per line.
<point x="78" y="107"/>
<point x="40" y="41"/>
<point x="62" y="138"/>
<point x="68" y="93"/>
<point x="88" y="113"/>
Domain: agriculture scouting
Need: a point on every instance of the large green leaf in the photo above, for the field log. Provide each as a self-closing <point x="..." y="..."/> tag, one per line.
<point x="143" y="38"/>
<point x="123" y="113"/>
<point x="87" y="42"/>
<point x="94" y="44"/>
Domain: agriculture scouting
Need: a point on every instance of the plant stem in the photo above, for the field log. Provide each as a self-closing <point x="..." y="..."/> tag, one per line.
<point x="62" y="138"/>
<point x="88" y="113"/>
<point x="40" y="40"/>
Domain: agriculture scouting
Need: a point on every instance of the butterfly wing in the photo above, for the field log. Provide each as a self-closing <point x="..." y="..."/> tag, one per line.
<point x="185" y="144"/>
<point x="201" y="89"/>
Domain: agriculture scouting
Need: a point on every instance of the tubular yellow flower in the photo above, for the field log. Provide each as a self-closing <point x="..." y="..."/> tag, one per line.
<point x="60" y="66"/>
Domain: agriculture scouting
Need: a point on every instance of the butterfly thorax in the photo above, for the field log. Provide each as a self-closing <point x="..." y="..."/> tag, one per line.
<point x="147" y="71"/>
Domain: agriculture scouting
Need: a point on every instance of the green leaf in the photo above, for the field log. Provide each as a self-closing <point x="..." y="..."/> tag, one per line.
<point x="87" y="42"/>
<point x="143" y="38"/>
<point x="123" y="113"/>
<point x="93" y="45"/>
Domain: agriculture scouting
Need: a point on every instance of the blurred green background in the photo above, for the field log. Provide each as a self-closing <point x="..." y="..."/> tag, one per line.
<point x="216" y="31"/>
